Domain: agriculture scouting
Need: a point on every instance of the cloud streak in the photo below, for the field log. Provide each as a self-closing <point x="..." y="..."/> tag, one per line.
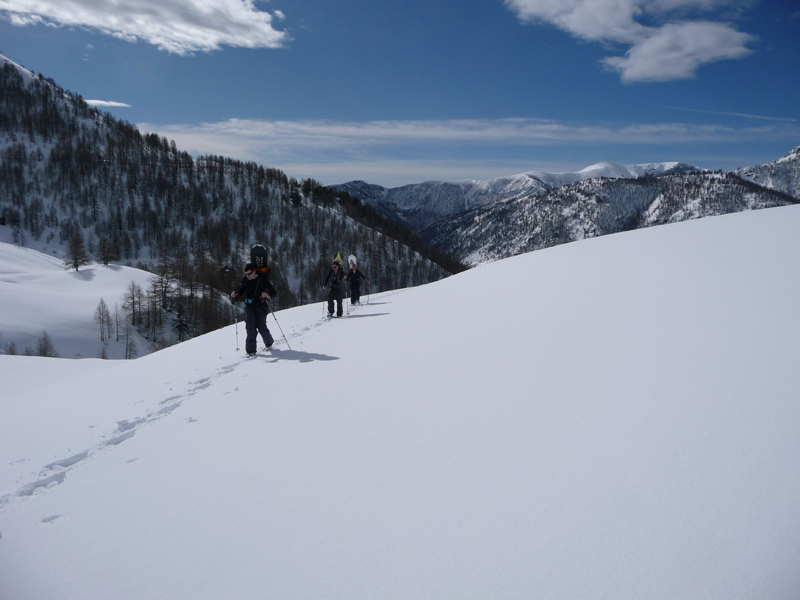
<point x="670" y="46"/>
<point x="731" y="114"/>
<point x="107" y="103"/>
<point x="178" y="26"/>
<point x="404" y="151"/>
<point x="514" y="131"/>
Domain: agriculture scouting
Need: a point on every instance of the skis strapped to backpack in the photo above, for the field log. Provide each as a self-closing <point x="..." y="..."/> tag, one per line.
<point x="258" y="256"/>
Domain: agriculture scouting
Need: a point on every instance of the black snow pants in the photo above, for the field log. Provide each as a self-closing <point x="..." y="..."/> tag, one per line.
<point x="255" y="318"/>
<point x="355" y="292"/>
<point x="335" y="293"/>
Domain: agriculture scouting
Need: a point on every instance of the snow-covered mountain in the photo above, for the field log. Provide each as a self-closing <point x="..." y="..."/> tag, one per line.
<point x="477" y="221"/>
<point x="418" y="206"/>
<point x="592" y="208"/>
<point x="617" y="419"/>
<point x="782" y="175"/>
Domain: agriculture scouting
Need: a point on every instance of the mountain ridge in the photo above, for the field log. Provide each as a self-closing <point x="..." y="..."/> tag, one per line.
<point x="419" y="205"/>
<point x="538" y="210"/>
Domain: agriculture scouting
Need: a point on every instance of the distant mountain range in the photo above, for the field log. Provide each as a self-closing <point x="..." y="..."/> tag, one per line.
<point x="482" y="220"/>
<point x="420" y="205"/>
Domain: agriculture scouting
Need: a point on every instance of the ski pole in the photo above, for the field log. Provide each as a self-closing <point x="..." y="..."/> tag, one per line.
<point x="279" y="325"/>
<point x="237" y="328"/>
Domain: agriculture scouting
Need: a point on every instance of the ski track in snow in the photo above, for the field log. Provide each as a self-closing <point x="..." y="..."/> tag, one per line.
<point x="55" y="473"/>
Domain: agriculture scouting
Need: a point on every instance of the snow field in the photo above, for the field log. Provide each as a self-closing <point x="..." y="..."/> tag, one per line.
<point x="611" y="418"/>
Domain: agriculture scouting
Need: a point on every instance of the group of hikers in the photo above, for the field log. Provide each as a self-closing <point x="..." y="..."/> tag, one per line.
<point x="256" y="290"/>
<point x="336" y="278"/>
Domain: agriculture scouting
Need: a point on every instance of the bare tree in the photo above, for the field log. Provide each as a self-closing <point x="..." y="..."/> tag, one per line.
<point x="116" y="319"/>
<point x="132" y="301"/>
<point x="130" y="343"/>
<point x="103" y="316"/>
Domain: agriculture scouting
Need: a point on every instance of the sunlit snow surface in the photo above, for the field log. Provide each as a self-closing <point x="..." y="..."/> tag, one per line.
<point x="612" y="418"/>
<point x="38" y="294"/>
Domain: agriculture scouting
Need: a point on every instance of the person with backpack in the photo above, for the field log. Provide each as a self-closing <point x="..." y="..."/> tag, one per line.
<point x="336" y="279"/>
<point x="255" y="289"/>
<point x="353" y="278"/>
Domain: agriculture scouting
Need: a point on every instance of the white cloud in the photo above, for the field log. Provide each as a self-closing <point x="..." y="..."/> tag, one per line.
<point x="675" y="51"/>
<point x="22" y="20"/>
<point x="397" y="152"/>
<point x="672" y="50"/>
<point x="107" y="103"/>
<point x="178" y="26"/>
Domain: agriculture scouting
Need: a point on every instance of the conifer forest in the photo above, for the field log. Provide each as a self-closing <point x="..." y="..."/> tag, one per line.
<point x="75" y="178"/>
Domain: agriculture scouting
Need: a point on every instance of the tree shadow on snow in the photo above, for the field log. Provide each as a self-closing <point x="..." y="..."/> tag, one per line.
<point x="85" y="275"/>
<point x="356" y="316"/>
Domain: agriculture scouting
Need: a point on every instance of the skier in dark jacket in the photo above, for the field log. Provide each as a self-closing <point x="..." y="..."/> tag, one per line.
<point x="353" y="278"/>
<point x="255" y="288"/>
<point x="336" y="279"/>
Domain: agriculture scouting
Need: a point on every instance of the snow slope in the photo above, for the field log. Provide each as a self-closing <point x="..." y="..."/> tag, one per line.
<point x="37" y="294"/>
<point x="613" y="418"/>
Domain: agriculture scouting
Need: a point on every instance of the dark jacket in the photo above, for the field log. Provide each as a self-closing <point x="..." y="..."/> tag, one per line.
<point x="354" y="276"/>
<point x="336" y="280"/>
<point x="250" y="290"/>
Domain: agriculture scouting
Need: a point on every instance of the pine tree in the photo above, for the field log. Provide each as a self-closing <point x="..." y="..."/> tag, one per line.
<point x="76" y="255"/>
<point x="106" y="251"/>
<point x="45" y="346"/>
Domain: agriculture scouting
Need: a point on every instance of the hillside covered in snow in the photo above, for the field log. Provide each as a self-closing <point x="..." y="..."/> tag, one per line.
<point x="40" y="296"/>
<point x="613" y="418"/>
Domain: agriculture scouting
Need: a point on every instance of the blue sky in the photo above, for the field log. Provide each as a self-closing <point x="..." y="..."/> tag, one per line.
<point x="398" y="92"/>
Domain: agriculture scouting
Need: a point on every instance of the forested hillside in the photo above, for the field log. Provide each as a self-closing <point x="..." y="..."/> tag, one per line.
<point x="73" y="177"/>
